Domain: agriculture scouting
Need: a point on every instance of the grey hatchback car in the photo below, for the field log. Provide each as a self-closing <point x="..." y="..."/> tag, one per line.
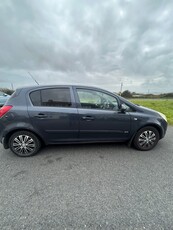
<point x="42" y="115"/>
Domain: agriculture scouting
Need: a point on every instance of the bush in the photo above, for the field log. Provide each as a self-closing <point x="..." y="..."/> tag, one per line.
<point x="126" y="94"/>
<point x="7" y="91"/>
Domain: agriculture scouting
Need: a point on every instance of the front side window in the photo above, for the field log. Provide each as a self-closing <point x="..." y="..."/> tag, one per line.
<point x="92" y="99"/>
<point x="51" y="97"/>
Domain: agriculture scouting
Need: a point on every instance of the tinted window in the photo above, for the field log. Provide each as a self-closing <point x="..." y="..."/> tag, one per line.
<point x="96" y="100"/>
<point x="56" y="97"/>
<point x="35" y="98"/>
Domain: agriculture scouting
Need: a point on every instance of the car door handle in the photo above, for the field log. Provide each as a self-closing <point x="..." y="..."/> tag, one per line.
<point x="41" y="115"/>
<point x="88" y="118"/>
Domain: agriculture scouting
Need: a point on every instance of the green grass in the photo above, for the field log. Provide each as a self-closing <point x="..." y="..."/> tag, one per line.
<point x="162" y="105"/>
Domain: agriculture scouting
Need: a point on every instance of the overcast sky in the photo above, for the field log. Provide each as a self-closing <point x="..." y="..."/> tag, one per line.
<point x="88" y="42"/>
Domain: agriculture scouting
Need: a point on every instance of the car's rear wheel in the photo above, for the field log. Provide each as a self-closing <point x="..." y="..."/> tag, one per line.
<point x="146" y="138"/>
<point x="24" y="143"/>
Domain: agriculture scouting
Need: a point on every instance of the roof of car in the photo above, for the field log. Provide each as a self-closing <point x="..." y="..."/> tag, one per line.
<point x="51" y="86"/>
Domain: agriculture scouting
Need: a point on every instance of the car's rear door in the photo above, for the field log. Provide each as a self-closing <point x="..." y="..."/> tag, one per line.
<point x="52" y="112"/>
<point x="100" y="117"/>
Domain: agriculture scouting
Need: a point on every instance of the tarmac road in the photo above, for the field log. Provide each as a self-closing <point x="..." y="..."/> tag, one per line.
<point x="94" y="186"/>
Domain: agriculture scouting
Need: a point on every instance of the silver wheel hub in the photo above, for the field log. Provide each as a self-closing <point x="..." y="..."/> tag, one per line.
<point x="24" y="145"/>
<point x="147" y="139"/>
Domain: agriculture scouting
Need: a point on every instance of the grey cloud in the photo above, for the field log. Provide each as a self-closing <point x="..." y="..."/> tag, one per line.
<point x="100" y="42"/>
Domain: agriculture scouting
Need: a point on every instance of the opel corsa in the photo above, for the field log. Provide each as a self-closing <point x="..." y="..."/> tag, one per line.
<point x="43" y="115"/>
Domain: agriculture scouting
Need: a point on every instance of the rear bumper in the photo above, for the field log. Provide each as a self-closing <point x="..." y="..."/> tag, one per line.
<point x="3" y="143"/>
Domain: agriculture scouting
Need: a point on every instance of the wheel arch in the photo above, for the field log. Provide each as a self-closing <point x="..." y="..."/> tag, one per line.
<point x="9" y="134"/>
<point x="159" y="129"/>
<point x="146" y="125"/>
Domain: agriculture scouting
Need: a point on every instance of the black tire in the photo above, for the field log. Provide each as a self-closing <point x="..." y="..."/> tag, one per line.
<point x="146" y="138"/>
<point x="24" y="143"/>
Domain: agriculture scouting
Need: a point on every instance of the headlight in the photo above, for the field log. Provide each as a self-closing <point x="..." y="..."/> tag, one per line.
<point x="163" y="116"/>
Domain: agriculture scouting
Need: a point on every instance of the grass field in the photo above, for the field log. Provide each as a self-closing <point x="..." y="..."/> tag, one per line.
<point x="162" y="105"/>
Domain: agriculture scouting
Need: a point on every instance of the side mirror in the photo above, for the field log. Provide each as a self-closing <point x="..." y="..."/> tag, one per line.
<point x="123" y="108"/>
<point x="4" y="94"/>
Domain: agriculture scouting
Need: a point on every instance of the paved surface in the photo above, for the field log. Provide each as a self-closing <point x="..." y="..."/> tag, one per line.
<point x="100" y="186"/>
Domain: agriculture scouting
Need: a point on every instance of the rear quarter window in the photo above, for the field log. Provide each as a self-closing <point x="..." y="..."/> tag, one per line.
<point x="36" y="98"/>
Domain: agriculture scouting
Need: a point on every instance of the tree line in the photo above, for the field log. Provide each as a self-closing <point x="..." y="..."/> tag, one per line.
<point x="7" y="91"/>
<point x="128" y="94"/>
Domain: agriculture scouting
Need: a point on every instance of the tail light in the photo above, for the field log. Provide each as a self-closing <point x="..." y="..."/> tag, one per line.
<point x="4" y="110"/>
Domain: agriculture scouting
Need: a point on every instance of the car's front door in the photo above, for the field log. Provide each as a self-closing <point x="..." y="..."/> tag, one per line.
<point x="53" y="115"/>
<point x="100" y="117"/>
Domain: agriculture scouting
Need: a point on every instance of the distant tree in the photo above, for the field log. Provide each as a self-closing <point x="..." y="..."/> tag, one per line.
<point x="168" y="95"/>
<point x="126" y="94"/>
<point x="7" y="91"/>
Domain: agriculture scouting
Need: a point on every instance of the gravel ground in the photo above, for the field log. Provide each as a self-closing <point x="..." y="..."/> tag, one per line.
<point x="94" y="186"/>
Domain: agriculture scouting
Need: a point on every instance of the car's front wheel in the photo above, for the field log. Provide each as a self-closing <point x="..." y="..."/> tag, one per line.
<point x="24" y="143"/>
<point x="146" y="138"/>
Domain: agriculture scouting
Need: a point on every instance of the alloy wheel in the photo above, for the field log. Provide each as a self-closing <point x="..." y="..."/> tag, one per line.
<point x="147" y="139"/>
<point x="24" y="145"/>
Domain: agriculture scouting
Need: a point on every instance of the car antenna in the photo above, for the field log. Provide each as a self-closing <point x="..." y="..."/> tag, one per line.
<point x="33" y="78"/>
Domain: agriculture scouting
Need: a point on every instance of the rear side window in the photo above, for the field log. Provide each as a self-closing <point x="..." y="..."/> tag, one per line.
<point x="51" y="97"/>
